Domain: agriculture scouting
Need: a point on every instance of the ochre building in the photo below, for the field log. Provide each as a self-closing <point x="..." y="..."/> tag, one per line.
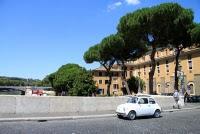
<point x="189" y="66"/>
<point x="101" y="79"/>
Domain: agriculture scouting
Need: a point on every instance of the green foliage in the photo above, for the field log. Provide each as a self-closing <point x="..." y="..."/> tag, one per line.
<point x="48" y="80"/>
<point x="168" y="23"/>
<point x="73" y="79"/>
<point x="195" y="34"/>
<point x="83" y="85"/>
<point x="133" y="84"/>
<point x="92" y="55"/>
<point x="14" y="81"/>
<point x="110" y="47"/>
<point x="106" y="53"/>
<point x="163" y="25"/>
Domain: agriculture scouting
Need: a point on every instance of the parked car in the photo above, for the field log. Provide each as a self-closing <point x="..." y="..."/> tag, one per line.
<point x="141" y="105"/>
<point x="193" y="99"/>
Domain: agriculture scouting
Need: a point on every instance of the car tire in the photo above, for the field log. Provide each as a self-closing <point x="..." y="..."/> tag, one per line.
<point x="131" y="115"/>
<point x="157" y="113"/>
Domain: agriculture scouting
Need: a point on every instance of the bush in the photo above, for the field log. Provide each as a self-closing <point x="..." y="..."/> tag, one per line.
<point x="133" y="84"/>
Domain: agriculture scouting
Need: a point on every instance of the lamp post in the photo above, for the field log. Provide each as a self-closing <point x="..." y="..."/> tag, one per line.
<point x="139" y="88"/>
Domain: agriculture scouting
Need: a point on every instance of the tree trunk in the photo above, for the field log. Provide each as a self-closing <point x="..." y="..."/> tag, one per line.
<point x="109" y="74"/>
<point x="109" y="83"/>
<point x="153" y="66"/>
<point x="124" y="78"/>
<point x="110" y="78"/>
<point x="176" y="70"/>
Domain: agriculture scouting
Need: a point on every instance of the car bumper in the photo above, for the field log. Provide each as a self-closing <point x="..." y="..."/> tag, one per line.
<point x="121" y="114"/>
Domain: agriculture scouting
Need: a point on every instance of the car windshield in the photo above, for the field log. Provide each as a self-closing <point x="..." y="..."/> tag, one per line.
<point x="132" y="100"/>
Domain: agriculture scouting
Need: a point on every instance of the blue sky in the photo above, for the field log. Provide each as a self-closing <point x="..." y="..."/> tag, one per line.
<point x="39" y="36"/>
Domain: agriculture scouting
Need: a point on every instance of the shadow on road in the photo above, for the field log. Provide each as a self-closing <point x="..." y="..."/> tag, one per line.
<point x="139" y="118"/>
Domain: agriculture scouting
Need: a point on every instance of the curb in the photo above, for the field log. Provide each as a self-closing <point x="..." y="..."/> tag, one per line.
<point x="44" y="119"/>
<point x="172" y="110"/>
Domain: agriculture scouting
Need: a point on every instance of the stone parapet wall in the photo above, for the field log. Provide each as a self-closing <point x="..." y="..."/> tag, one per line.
<point x="33" y="104"/>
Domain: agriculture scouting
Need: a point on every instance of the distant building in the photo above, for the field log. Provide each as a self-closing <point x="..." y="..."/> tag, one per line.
<point x="101" y="80"/>
<point x="164" y="73"/>
<point x="26" y="90"/>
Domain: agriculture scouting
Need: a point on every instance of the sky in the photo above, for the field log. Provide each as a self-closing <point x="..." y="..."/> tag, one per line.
<point x="39" y="36"/>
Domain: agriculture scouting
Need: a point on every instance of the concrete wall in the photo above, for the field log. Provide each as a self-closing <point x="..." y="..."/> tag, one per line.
<point x="33" y="104"/>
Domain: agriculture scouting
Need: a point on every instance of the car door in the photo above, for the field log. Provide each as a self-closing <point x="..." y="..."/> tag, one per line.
<point x="144" y="107"/>
<point x="152" y="106"/>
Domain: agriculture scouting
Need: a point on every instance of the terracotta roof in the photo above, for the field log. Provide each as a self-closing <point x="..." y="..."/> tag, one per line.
<point x="101" y="68"/>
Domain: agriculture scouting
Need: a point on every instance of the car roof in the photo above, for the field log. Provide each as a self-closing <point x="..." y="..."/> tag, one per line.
<point x="144" y="96"/>
<point x="139" y="96"/>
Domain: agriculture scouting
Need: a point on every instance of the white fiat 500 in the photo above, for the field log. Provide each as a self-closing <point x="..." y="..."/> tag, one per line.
<point x="141" y="105"/>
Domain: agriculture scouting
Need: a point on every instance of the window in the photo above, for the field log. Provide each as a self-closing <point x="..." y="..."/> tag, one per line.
<point x="157" y="54"/>
<point x="115" y="86"/>
<point x="143" y="101"/>
<point x="190" y="62"/>
<point x="139" y="71"/>
<point x="167" y="66"/>
<point x="115" y="74"/>
<point x="158" y="67"/>
<point x="144" y="70"/>
<point x="125" y="73"/>
<point x="115" y="79"/>
<point x="132" y="100"/>
<point x="167" y="87"/>
<point x="151" y="101"/>
<point x="166" y="52"/>
<point x="161" y="53"/>
<point x="105" y="74"/>
<point x="143" y="58"/>
<point x="100" y="73"/>
<point x="158" y="88"/>
<point x="131" y="73"/>
<point x="100" y="81"/>
<point x="190" y="88"/>
<point x="106" y="81"/>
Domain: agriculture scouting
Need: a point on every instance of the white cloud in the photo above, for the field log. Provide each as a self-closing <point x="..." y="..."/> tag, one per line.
<point x="132" y="2"/>
<point x="122" y="2"/>
<point x="114" y="5"/>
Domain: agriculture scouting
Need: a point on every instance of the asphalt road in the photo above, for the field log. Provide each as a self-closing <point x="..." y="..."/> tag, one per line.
<point x="182" y="122"/>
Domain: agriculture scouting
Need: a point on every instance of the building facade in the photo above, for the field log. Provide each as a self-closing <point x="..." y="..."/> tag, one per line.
<point x="101" y="79"/>
<point x="189" y="69"/>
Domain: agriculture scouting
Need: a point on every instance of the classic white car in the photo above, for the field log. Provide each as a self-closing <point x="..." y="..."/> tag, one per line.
<point x="141" y="105"/>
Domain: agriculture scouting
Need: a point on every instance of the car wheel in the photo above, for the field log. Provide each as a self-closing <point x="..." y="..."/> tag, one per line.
<point x="131" y="115"/>
<point x="157" y="113"/>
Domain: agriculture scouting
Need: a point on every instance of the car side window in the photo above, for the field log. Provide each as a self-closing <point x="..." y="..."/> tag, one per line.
<point x="143" y="101"/>
<point x="151" y="101"/>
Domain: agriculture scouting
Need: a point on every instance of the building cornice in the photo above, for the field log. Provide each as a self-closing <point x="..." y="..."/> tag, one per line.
<point x="171" y="56"/>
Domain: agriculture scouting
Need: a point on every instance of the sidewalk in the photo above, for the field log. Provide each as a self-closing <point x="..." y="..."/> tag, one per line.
<point x="78" y="115"/>
<point x="187" y="106"/>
